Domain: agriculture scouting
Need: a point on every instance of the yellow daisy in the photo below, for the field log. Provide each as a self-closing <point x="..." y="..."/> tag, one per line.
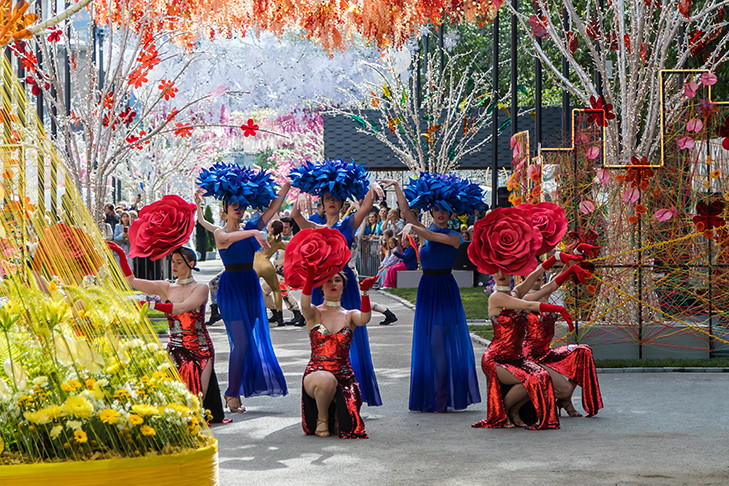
<point x="147" y="430"/>
<point x="79" y="407"/>
<point x="109" y="416"/>
<point x="135" y="419"/>
<point x="144" y="409"/>
<point x="80" y="436"/>
<point x="40" y="417"/>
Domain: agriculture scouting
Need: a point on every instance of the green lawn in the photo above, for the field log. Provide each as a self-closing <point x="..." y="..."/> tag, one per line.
<point x="160" y="327"/>
<point x="475" y="302"/>
<point x="663" y="363"/>
<point x="483" y="331"/>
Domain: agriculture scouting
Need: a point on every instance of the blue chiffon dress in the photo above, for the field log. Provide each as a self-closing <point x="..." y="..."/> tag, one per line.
<point x="359" y="351"/>
<point x="443" y="368"/>
<point x="252" y="369"/>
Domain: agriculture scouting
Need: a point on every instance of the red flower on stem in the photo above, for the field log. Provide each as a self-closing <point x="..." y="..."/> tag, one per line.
<point x="55" y="36"/>
<point x="249" y="129"/>
<point x="600" y="104"/>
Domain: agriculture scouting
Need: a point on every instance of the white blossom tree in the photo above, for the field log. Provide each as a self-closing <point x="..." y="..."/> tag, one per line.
<point x="627" y="43"/>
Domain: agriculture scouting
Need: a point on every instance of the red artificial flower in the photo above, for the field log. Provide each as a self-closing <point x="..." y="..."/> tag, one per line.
<point x="127" y="116"/>
<point x="66" y="251"/>
<point x="167" y="89"/>
<point x="172" y="114"/>
<point x="538" y="26"/>
<point x="162" y="227"/>
<point x="505" y="240"/>
<point x="684" y="7"/>
<point x="323" y="250"/>
<point x="600" y="104"/>
<point x="573" y="43"/>
<point x="708" y="216"/>
<point x="138" y="77"/>
<point x="249" y="129"/>
<point x="551" y="222"/>
<point x="29" y="61"/>
<point x="183" y="130"/>
<point x="592" y="29"/>
<point x="55" y="36"/>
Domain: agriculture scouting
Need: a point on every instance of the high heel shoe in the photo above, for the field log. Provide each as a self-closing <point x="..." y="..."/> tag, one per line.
<point x="234" y="404"/>
<point x="566" y="404"/>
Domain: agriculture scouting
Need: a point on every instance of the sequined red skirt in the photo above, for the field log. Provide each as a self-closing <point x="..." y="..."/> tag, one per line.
<point x="537" y="382"/>
<point x="344" y="416"/>
<point x="576" y="363"/>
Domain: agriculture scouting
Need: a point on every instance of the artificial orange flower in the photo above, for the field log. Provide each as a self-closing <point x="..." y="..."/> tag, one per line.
<point x="633" y="219"/>
<point x="640" y="209"/>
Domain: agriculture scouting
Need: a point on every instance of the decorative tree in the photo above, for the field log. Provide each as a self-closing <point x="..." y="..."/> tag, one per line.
<point x="438" y="134"/>
<point x="628" y="43"/>
<point x="117" y="107"/>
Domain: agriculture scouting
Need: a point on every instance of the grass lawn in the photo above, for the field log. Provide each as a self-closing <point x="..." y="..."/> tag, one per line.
<point x="483" y="331"/>
<point x="663" y="363"/>
<point x="475" y="302"/>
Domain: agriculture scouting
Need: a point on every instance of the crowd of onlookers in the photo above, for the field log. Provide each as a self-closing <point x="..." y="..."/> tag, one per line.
<point x="383" y="225"/>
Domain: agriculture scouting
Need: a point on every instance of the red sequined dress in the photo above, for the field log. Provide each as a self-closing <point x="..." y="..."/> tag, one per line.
<point x="505" y="350"/>
<point x="330" y="352"/>
<point x="189" y="346"/>
<point x="573" y="361"/>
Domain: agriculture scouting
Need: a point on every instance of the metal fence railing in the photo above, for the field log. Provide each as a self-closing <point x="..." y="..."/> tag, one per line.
<point x="368" y="258"/>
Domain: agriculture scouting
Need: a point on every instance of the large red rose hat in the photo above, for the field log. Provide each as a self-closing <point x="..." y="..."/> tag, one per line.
<point x="505" y="239"/>
<point x="66" y="251"/>
<point x="323" y="250"/>
<point x="551" y="221"/>
<point x="162" y="227"/>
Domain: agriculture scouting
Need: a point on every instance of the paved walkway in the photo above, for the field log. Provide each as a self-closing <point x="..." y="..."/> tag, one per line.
<point x="656" y="428"/>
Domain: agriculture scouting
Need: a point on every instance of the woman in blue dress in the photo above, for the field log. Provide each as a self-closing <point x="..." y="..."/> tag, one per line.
<point x="335" y="181"/>
<point x="253" y="369"/>
<point x="443" y="368"/>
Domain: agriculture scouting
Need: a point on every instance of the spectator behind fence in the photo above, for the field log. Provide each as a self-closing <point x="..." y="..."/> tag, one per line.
<point x="121" y="235"/>
<point x="385" y="242"/>
<point x="371" y="227"/>
<point x="394" y="221"/>
<point x="388" y="261"/>
<point x="409" y="262"/>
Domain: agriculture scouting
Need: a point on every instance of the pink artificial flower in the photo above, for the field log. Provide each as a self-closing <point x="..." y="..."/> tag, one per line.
<point x="666" y="214"/>
<point x="686" y="143"/>
<point x="631" y="195"/>
<point x="708" y="79"/>
<point x="592" y="153"/>
<point x="690" y="89"/>
<point x="694" y="125"/>
<point x="586" y="206"/>
<point x="603" y="175"/>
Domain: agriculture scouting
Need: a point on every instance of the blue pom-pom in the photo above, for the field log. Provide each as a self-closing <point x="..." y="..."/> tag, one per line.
<point x="444" y="191"/>
<point x="235" y="184"/>
<point x="341" y="180"/>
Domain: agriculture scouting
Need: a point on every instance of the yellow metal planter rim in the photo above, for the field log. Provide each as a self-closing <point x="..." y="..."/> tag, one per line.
<point x="187" y="458"/>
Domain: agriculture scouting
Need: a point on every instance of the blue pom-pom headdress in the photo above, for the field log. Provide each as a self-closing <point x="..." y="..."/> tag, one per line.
<point x="341" y="180"/>
<point x="234" y="184"/>
<point x="444" y="191"/>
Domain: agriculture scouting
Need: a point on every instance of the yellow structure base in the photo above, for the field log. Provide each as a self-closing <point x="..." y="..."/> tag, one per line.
<point x="194" y="468"/>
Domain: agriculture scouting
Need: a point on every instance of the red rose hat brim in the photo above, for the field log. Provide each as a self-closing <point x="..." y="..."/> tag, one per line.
<point x="323" y="250"/>
<point x="505" y="240"/>
<point x="162" y="227"/>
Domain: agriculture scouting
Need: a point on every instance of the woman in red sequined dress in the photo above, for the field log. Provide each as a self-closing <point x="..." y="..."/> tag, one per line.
<point x="189" y="345"/>
<point x="569" y="365"/>
<point x="513" y="379"/>
<point x="331" y="400"/>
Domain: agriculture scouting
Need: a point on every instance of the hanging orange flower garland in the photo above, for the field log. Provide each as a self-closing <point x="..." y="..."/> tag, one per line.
<point x="332" y="23"/>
